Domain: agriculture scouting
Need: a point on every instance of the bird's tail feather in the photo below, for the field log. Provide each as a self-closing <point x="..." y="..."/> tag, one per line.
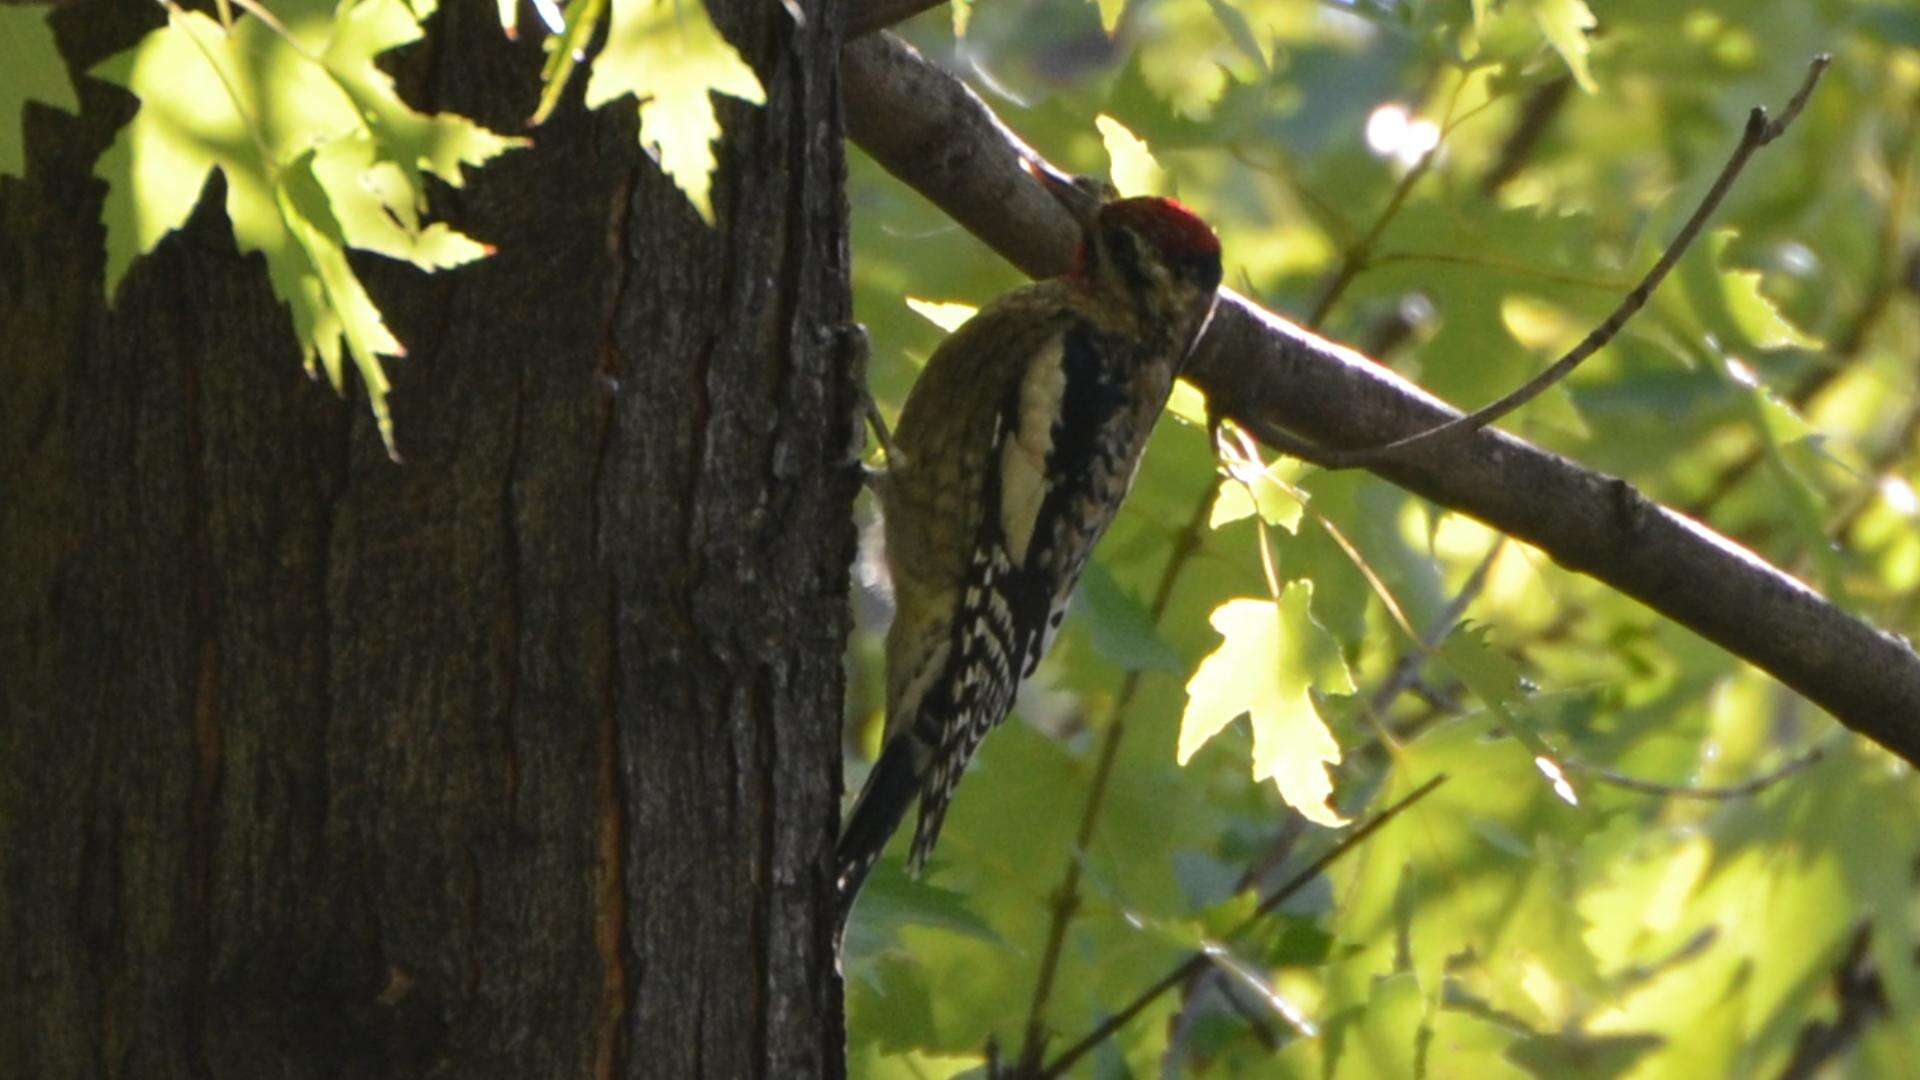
<point x="889" y="790"/>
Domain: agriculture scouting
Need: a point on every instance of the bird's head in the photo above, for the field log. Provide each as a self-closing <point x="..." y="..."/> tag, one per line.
<point x="1152" y="250"/>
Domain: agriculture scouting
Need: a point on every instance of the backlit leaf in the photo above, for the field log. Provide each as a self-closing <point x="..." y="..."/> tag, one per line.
<point x="1134" y="170"/>
<point x="669" y="56"/>
<point x="318" y="152"/>
<point x="1272" y="654"/>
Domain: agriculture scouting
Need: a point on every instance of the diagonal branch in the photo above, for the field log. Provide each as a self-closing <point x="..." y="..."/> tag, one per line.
<point x="1200" y="959"/>
<point x="1268" y="374"/>
<point x="1759" y="132"/>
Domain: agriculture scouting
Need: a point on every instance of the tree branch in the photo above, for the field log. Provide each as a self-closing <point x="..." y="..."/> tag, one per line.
<point x="1204" y="956"/>
<point x="928" y="129"/>
<point x="1741" y="790"/>
<point x="1759" y="132"/>
<point x="1066" y="900"/>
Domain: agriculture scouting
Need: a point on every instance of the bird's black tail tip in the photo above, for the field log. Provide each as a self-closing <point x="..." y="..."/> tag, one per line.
<point x="877" y="813"/>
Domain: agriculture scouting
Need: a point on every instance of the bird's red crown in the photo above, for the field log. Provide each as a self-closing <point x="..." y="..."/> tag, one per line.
<point x="1170" y="226"/>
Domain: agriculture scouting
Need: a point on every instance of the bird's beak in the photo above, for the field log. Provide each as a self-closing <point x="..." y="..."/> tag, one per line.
<point x="1080" y="195"/>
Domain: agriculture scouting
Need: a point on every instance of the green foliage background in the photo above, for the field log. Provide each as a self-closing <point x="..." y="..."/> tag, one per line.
<point x="1535" y="916"/>
<point x="1498" y="929"/>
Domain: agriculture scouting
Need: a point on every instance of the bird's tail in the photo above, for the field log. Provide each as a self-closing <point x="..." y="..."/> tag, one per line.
<point x="890" y="789"/>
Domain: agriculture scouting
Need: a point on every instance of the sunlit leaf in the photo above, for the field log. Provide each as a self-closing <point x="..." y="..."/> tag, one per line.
<point x="35" y="72"/>
<point x="669" y="56"/>
<point x="1268" y="491"/>
<point x="944" y="314"/>
<point x="1134" y="170"/>
<point x="1756" y="316"/>
<point x="1272" y="655"/>
<point x="1565" y="24"/>
<point x="318" y="152"/>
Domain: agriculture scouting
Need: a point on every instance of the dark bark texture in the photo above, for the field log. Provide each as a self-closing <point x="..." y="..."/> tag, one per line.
<point x="518" y="760"/>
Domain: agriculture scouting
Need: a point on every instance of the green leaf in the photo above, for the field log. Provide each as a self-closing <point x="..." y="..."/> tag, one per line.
<point x="319" y="155"/>
<point x="1122" y="627"/>
<point x="669" y="56"/>
<point x="1726" y="302"/>
<point x="1384" y="1039"/>
<point x="891" y="901"/>
<point x="1756" y="316"/>
<point x="1187" y="403"/>
<point x="1132" y="166"/>
<point x="35" y="72"/>
<point x="1565" y="24"/>
<point x="871" y="1064"/>
<point x="1272" y="654"/>
<point x="1248" y="490"/>
<point x="1495" y="679"/>
<point x="943" y="314"/>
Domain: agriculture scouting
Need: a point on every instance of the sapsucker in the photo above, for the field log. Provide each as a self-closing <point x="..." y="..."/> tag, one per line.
<point x="1012" y="454"/>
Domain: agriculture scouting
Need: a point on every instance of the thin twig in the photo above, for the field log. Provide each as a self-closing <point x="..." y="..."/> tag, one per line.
<point x="1852" y="338"/>
<point x="1400" y="679"/>
<point x="1357" y="256"/>
<point x="1683" y="791"/>
<point x="1200" y="957"/>
<point x="1759" y="132"/>
<point x="1066" y="900"/>
<point x="1406" y="671"/>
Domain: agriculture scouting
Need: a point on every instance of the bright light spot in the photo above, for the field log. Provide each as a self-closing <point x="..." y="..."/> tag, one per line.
<point x="1422" y="136"/>
<point x="1797" y="259"/>
<point x="1386" y="128"/>
<point x="1393" y="132"/>
<point x="1741" y="373"/>
<point x="1540" y="985"/>
<point x="1899" y="495"/>
<point x="1550" y="769"/>
<point x="1416" y="309"/>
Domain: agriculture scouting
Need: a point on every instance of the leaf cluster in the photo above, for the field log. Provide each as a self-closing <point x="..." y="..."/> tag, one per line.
<point x="1648" y="860"/>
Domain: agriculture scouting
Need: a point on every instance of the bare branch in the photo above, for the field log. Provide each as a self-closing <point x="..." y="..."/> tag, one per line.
<point x="1201" y="957"/>
<point x="1066" y="900"/>
<point x="1356" y="257"/>
<point x="928" y="129"/>
<point x="1759" y="132"/>
<point x="1683" y="791"/>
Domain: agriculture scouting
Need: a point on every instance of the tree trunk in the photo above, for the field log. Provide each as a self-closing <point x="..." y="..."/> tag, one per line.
<point x="520" y="759"/>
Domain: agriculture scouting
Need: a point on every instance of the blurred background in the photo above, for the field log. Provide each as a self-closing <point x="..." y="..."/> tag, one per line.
<point x="1649" y="859"/>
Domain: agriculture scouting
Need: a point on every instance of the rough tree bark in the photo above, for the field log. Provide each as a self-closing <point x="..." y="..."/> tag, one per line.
<point x="518" y="760"/>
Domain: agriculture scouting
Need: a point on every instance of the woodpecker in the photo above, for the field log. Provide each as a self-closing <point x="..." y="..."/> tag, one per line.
<point x="1011" y="456"/>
